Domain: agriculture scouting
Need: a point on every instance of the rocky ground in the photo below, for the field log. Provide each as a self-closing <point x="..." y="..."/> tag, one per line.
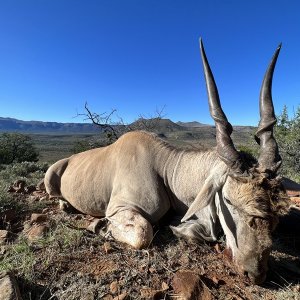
<point x="53" y="254"/>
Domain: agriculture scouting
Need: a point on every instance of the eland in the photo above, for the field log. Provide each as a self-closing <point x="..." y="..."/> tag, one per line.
<point x="138" y="179"/>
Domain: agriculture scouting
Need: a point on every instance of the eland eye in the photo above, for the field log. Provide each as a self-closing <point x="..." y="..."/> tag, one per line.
<point x="227" y="201"/>
<point x="251" y="223"/>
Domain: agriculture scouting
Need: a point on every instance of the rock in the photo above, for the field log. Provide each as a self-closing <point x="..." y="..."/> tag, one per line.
<point x="36" y="232"/>
<point x="114" y="287"/>
<point x="189" y="286"/>
<point x="9" y="289"/>
<point x="164" y="286"/>
<point x="3" y="236"/>
<point x="107" y="247"/>
<point x="38" y="218"/>
<point x="3" y="249"/>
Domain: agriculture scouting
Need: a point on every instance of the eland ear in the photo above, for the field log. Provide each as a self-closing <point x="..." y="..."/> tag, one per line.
<point x="193" y="230"/>
<point x="205" y="197"/>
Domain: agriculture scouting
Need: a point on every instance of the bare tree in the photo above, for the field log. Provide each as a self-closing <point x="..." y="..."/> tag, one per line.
<point x="114" y="129"/>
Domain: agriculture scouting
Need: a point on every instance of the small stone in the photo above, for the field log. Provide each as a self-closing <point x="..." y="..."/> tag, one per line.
<point x="3" y="236"/>
<point x="36" y="232"/>
<point x="188" y="285"/>
<point x="3" y="249"/>
<point x="107" y="247"/>
<point x="9" y="289"/>
<point x="164" y="286"/>
<point x="215" y="280"/>
<point x="38" y="218"/>
<point x="114" y="287"/>
<point x="152" y="270"/>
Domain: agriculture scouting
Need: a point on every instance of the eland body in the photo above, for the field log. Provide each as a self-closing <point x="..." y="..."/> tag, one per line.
<point x="138" y="179"/>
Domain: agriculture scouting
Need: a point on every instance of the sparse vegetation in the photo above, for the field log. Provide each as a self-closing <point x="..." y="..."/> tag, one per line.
<point x="30" y="172"/>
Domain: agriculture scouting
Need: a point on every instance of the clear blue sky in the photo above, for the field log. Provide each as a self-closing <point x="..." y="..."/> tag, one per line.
<point x="138" y="55"/>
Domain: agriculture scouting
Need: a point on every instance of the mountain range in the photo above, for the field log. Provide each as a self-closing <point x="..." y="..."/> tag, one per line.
<point x="15" y="125"/>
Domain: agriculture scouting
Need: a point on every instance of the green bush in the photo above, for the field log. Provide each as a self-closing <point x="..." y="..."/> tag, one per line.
<point x="287" y="133"/>
<point x="16" y="147"/>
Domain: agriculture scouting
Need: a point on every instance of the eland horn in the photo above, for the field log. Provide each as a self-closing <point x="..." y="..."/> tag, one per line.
<point x="269" y="158"/>
<point x="225" y="147"/>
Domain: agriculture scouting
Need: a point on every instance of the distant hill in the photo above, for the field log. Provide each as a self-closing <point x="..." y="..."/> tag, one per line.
<point x="191" y="124"/>
<point x="157" y="125"/>
<point x="10" y="124"/>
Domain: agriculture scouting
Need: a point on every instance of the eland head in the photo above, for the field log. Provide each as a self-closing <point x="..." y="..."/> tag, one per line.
<point x="251" y="197"/>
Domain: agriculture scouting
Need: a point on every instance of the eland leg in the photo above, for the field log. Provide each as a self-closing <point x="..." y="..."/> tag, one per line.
<point x="130" y="227"/>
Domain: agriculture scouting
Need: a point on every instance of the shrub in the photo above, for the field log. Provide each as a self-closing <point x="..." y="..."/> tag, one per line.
<point x="16" y="147"/>
<point x="287" y="133"/>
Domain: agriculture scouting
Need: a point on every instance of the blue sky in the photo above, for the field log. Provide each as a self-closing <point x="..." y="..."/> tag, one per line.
<point x="138" y="56"/>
